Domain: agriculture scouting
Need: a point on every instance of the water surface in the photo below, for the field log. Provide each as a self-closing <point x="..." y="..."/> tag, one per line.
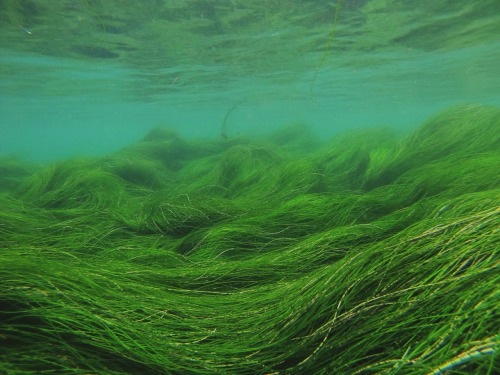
<point x="88" y="77"/>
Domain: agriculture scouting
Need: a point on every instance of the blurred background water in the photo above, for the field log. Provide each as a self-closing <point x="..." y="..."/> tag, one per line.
<point x="86" y="77"/>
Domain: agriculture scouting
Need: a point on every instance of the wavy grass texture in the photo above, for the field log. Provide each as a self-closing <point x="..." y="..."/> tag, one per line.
<point x="365" y="255"/>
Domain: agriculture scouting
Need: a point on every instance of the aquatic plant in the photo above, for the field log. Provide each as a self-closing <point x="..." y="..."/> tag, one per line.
<point x="459" y="131"/>
<point x="13" y="171"/>
<point x="369" y="254"/>
<point x="330" y="40"/>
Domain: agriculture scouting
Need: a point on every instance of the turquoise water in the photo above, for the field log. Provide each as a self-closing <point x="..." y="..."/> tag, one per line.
<point x="89" y="77"/>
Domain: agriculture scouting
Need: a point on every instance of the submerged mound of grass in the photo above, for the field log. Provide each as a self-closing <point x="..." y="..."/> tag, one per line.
<point x="12" y="172"/>
<point x="72" y="184"/>
<point x="461" y="131"/>
<point x="367" y="255"/>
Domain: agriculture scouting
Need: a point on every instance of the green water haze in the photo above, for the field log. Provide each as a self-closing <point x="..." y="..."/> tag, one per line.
<point x="87" y="77"/>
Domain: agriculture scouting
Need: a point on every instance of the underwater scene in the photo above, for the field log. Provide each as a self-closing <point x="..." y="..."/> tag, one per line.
<point x="249" y="187"/>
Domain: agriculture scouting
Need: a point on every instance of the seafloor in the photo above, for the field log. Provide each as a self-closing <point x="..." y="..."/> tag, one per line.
<point x="279" y="255"/>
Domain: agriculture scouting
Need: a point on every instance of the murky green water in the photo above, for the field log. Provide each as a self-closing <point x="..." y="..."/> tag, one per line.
<point x="88" y="77"/>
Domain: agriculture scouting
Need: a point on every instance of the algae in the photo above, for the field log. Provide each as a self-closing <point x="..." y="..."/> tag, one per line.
<point x="368" y="254"/>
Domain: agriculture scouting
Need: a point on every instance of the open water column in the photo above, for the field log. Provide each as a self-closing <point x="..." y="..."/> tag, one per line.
<point x="249" y="187"/>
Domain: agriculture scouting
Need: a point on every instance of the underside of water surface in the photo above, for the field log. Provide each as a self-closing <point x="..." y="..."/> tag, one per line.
<point x="373" y="253"/>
